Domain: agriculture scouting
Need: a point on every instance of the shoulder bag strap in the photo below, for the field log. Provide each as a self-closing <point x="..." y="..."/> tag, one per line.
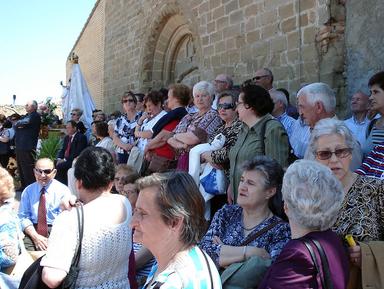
<point x="259" y="233"/>
<point x="325" y="283"/>
<point x="209" y="267"/>
<point x="324" y="264"/>
<point x="80" y="222"/>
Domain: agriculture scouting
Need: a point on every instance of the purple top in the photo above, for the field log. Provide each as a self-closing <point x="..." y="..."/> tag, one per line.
<point x="294" y="267"/>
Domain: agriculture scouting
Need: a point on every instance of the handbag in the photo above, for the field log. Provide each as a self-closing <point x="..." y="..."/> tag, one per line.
<point x="160" y="164"/>
<point x="324" y="274"/>
<point x="32" y="276"/>
<point x="249" y="273"/>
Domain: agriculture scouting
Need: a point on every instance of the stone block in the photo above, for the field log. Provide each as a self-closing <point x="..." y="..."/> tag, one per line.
<point x="289" y="24"/>
<point x="211" y="27"/>
<point x="268" y="17"/>
<point x="220" y="47"/>
<point x="230" y="44"/>
<point x="236" y="17"/>
<point x="252" y="10"/>
<point x="309" y="35"/>
<point x="307" y="4"/>
<point x="231" y="6"/>
<point x="218" y="12"/>
<point x="232" y="31"/>
<point x="286" y="11"/>
<point x="279" y="43"/>
<point x="293" y="40"/>
<point x="253" y="36"/>
<point x="269" y="31"/>
<point x="244" y="3"/>
<point x="222" y="22"/>
<point x="214" y="4"/>
<point x="250" y="23"/>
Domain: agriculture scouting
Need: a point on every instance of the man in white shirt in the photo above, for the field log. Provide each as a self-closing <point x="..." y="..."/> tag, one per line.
<point x="359" y="121"/>
<point x="222" y="83"/>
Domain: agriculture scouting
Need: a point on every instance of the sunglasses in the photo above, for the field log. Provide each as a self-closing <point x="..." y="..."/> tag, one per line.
<point x="46" y="171"/>
<point x="127" y="100"/>
<point x="259" y="77"/>
<point x="225" y="106"/>
<point x="340" y="153"/>
<point x="73" y="113"/>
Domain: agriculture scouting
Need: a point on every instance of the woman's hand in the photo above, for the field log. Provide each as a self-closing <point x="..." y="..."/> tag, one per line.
<point x="355" y="255"/>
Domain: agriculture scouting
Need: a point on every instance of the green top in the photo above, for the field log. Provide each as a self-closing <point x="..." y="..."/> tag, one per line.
<point x="249" y="144"/>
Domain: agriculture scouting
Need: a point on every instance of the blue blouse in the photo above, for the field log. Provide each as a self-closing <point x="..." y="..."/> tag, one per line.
<point x="227" y="224"/>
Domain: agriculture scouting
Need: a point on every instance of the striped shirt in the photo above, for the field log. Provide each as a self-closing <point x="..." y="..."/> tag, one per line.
<point x="373" y="164"/>
<point x="300" y="138"/>
<point x="287" y="122"/>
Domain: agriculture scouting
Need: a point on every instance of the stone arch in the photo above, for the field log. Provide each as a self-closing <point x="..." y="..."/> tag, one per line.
<point x="171" y="52"/>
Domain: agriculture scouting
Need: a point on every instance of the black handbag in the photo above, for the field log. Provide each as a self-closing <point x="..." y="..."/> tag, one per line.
<point x="32" y="276"/>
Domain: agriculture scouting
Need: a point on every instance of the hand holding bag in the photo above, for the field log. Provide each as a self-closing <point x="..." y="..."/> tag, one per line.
<point x="32" y="276"/>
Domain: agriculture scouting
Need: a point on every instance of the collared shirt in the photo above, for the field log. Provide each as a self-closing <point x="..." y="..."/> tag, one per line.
<point x="287" y="122"/>
<point x="300" y="137"/>
<point x="250" y="143"/>
<point x="357" y="128"/>
<point x="30" y="198"/>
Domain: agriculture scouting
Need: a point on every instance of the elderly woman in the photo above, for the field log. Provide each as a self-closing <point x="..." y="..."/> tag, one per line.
<point x="9" y="222"/>
<point x="169" y="221"/>
<point x="198" y="127"/>
<point x="261" y="133"/>
<point x="312" y="200"/>
<point x="158" y="152"/>
<point x="361" y="214"/>
<point x="259" y="206"/>
<point x="105" y="141"/>
<point x="106" y="229"/>
<point x="124" y="137"/>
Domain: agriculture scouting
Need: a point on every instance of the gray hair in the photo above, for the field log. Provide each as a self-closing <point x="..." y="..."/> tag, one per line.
<point x="279" y="96"/>
<point x="319" y="92"/>
<point x="329" y="126"/>
<point x="204" y="87"/>
<point x="312" y="194"/>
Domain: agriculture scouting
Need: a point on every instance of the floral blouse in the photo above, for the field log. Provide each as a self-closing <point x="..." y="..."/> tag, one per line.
<point x="125" y="130"/>
<point x="203" y="126"/>
<point x="9" y="230"/>
<point x="227" y="224"/>
<point x="220" y="156"/>
<point x="362" y="212"/>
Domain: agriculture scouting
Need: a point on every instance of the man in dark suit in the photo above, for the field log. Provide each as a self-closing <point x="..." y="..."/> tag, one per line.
<point x="26" y="136"/>
<point x="74" y="143"/>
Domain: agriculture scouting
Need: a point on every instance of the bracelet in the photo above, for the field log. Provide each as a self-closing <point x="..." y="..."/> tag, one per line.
<point x="245" y="253"/>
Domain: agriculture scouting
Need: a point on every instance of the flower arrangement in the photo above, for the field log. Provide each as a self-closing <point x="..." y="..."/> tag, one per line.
<point x="46" y="110"/>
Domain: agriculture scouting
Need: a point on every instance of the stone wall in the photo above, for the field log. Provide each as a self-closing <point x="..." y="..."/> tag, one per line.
<point x="90" y="49"/>
<point x="364" y="43"/>
<point x="152" y="43"/>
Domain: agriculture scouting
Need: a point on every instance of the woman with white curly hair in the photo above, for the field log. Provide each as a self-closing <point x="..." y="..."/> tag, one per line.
<point x="313" y="197"/>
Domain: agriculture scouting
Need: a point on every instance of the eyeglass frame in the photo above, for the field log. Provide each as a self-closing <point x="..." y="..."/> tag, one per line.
<point x="339" y="153"/>
<point x="260" y="77"/>
<point x="226" y="106"/>
<point x="46" y="171"/>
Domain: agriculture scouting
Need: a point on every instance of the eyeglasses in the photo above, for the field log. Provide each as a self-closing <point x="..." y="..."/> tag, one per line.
<point x="220" y="81"/>
<point x="340" y="153"/>
<point x="46" y="171"/>
<point x="73" y="113"/>
<point x="259" y="77"/>
<point x="127" y="100"/>
<point x="225" y="106"/>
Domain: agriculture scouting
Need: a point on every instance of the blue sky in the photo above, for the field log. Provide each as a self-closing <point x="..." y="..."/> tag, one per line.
<point x="35" y="40"/>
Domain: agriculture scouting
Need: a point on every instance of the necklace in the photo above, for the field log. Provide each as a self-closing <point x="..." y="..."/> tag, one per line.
<point x="252" y="228"/>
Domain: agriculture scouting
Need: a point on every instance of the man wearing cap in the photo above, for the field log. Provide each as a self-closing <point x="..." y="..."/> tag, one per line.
<point x="40" y="204"/>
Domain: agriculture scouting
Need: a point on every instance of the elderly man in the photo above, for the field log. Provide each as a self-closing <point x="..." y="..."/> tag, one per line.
<point x="359" y="121"/>
<point x="316" y="101"/>
<point x="40" y="204"/>
<point x="222" y="82"/>
<point x="26" y="136"/>
<point x="264" y="78"/>
<point x="279" y="111"/>
<point x="74" y="143"/>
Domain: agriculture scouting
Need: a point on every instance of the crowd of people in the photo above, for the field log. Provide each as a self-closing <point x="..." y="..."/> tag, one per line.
<point x="205" y="187"/>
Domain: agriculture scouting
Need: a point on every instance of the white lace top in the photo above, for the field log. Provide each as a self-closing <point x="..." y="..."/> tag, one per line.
<point x="105" y="250"/>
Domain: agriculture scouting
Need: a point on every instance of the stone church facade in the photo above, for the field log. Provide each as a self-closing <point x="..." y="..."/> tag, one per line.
<point x="149" y="44"/>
